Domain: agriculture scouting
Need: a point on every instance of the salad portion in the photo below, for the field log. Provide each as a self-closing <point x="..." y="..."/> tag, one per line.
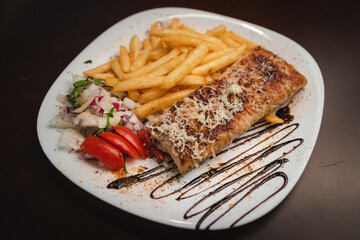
<point x="103" y="125"/>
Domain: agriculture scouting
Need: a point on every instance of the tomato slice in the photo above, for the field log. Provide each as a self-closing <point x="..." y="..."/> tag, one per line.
<point x="104" y="152"/>
<point x="145" y="137"/>
<point x="133" y="139"/>
<point x="120" y="143"/>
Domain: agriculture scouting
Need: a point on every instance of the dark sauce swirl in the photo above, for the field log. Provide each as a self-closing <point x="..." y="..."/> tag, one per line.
<point x="128" y="181"/>
<point x="235" y="178"/>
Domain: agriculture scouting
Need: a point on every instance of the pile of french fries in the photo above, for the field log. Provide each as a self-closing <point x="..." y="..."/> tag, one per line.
<point x="173" y="62"/>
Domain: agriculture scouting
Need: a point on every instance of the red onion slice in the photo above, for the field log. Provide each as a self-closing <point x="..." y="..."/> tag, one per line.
<point x="95" y="105"/>
<point x="116" y="105"/>
<point x="130" y="126"/>
<point x="125" y="119"/>
<point x="96" y="100"/>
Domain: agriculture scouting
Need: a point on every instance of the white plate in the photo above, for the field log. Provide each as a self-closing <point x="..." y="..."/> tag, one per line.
<point x="306" y="107"/>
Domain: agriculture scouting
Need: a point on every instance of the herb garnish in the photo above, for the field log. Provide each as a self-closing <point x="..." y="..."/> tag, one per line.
<point x="120" y="123"/>
<point x="109" y="115"/>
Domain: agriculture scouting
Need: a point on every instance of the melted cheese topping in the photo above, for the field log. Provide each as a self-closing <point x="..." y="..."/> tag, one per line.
<point x="185" y="124"/>
<point x="183" y="131"/>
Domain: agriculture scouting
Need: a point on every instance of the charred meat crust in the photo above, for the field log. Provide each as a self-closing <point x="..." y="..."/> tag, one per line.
<point x="263" y="81"/>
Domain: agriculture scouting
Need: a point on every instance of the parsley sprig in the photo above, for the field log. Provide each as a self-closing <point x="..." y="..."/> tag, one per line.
<point x="108" y="116"/>
<point x="125" y="164"/>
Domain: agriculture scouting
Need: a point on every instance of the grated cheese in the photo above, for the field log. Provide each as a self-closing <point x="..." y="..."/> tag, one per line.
<point x="185" y="124"/>
<point x="194" y="112"/>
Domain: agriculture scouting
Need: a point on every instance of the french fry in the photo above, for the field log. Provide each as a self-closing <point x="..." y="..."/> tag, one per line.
<point x="214" y="55"/>
<point x="163" y="44"/>
<point x="271" y="117"/>
<point x="158" y="53"/>
<point x="179" y="88"/>
<point x="146" y="43"/>
<point x="216" y="75"/>
<point x="186" y="67"/>
<point x="171" y="33"/>
<point x="240" y="39"/>
<point x="134" y="94"/>
<point x="124" y="59"/>
<point x="145" y="82"/>
<point x="208" y="79"/>
<point x="141" y="59"/>
<point x="192" y="80"/>
<point x="174" y="23"/>
<point x="168" y="67"/>
<point x="161" y="103"/>
<point x="219" y="63"/>
<point x="134" y="47"/>
<point x="100" y="69"/>
<point x="102" y="75"/>
<point x="184" y="49"/>
<point x="155" y="41"/>
<point x="154" y="27"/>
<point x="112" y="81"/>
<point x="151" y="66"/>
<point x="177" y="41"/>
<point x="151" y="94"/>
<point x="117" y="70"/>
<point x="142" y="82"/>
<point x="172" y="44"/>
<point x="183" y="27"/>
<point x="229" y="41"/>
<point x="217" y="31"/>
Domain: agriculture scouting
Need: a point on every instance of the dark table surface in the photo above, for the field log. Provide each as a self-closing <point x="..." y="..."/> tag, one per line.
<point x="40" y="38"/>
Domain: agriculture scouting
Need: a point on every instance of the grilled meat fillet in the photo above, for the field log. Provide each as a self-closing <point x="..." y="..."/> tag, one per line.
<point x="211" y="117"/>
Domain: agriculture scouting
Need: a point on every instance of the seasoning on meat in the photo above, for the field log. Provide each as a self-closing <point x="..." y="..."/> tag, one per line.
<point x="209" y="119"/>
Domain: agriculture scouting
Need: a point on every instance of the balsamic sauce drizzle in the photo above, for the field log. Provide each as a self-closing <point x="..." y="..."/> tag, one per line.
<point x="260" y="171"/>
<point x="128" y="181"/>
<point x="234" y="177"/>
<point x="239" y="190"/>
